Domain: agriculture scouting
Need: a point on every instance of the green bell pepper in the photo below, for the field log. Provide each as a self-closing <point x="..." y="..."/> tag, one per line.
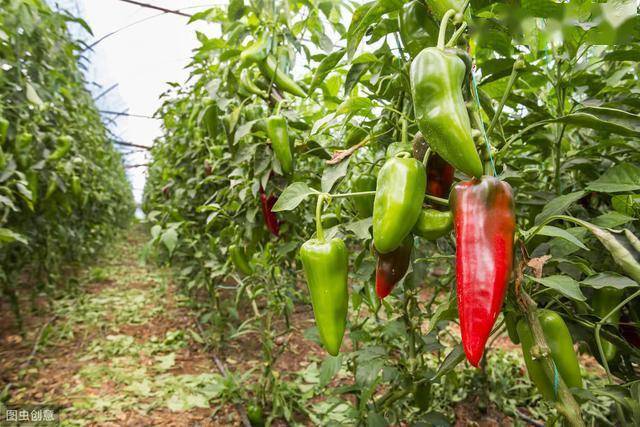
<point x="325" y="265"/>
<point x="560" y="345"/>
<point x="278" y="133"/>
<point x="433" y="224"/>
<point x="436" y="86"/>
<point x="239" y="260"/>
<point x="398" y="201"/>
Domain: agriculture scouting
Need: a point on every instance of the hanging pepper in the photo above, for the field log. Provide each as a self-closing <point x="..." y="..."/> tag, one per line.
<point x="439" y="173"/>
<point x="269" y="68"/>
<point x="623" y="252"/>
<point x="558" y="338"/>
<point x="606" y="299"/>
<point x="364" y="204"/>
<point x="325" y="264"/>
<point x="511" y="322"/>
<point x="248" y="85"/>
<point x="398" y="201"/>
<point x="436" y="87"/>
<point x="433" y="224"/>
<point x="392" y="267"/>
<point x="239" y="260"/>
<point x="210" y="118"/>
<point x="270" y="219"/>
<point x="64" y="146"/>
<point x="76" y="186"/>
<point x="418" y="29"/>
<point x="484" y="220"/>
<point x="256" y="51"/>
<point x="4" y="128"/>
<point x="278" y="133"/>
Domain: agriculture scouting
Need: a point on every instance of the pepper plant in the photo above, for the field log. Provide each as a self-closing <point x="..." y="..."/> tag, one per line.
<point x="63" y="189"/>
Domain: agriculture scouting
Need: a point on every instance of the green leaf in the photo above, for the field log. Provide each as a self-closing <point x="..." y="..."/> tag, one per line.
<point x="360" y="228"/>
<point x="609" y="279"/>
<point x="165" y="362"/>
<point x="445" y="311"/>
<point x="9" y="236"/>
<point x="353" y="105"/>
<point x="329" y="368"/>
<point x="621" y="177"/>
<point x="32" y="95"/>
<point x="566" y="285"/>
<point x="170" y="239"/>
<point x="365" y="16"/>
<point x="455" y="356"/>
<point x="292" y="196"/>
<point x="332" y="173"/>
<point x="604" y="119"/>
<point x="552" y="231"/>
<point x="542" y="8"/>
<point x="612" y="219"/>
<point x="558" y="205"/>
<point x="354" y="75"/>
<point x="627" y="204"/>
<point x="327" y="65"/>
<point x="235" y="10"/>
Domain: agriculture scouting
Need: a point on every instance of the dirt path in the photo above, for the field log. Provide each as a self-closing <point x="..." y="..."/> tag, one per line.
<point x="121" y="352"/>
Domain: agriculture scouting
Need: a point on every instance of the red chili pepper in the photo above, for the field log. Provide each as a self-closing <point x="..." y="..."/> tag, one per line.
<point x="439" y="176"/>
<point x="270" y="218"/>
<point x="485" y="221"/>
<point x="392" y="267"/>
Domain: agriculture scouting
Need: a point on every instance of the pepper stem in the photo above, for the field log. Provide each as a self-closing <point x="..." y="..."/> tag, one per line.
<point x="277" y="110"/>
<point x="319" y="228"/>
<point x="425" y="159"/>
<point x="443" y="27"/>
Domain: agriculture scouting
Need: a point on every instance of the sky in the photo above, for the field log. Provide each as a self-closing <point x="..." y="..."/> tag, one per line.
<point x="141" y="60"/>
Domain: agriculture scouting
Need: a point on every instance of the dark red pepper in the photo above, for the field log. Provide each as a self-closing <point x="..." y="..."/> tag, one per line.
<point x="392" y="267"/>
<point x="439" y="176"/>
<point x="484" y="221"/>
<point x="439" y="172"/>
<point x="270" y="218"/>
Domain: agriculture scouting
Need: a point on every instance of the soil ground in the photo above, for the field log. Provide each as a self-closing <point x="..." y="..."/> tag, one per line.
<point x="125" y="349"/>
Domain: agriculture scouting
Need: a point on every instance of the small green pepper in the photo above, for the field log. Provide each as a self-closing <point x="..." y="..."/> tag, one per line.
<point x="433" y="224"/>
<point x="278" y="133"/>
<point x="271" y="71"/>
<point x="560" y="344"/>
<point x="239" y="260"/>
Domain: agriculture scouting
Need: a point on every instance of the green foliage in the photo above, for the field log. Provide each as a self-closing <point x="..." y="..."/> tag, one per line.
<point x="63" y="190"/>
<point x="565" y="138"/>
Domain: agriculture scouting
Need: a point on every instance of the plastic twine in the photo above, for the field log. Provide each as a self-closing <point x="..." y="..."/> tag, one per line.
<point x="556" y="380"/>
<point x="484" y="134"/>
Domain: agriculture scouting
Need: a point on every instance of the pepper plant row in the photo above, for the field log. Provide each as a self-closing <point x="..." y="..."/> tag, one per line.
<point x="464" y="164"/>
<point x="63" y="189"/>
